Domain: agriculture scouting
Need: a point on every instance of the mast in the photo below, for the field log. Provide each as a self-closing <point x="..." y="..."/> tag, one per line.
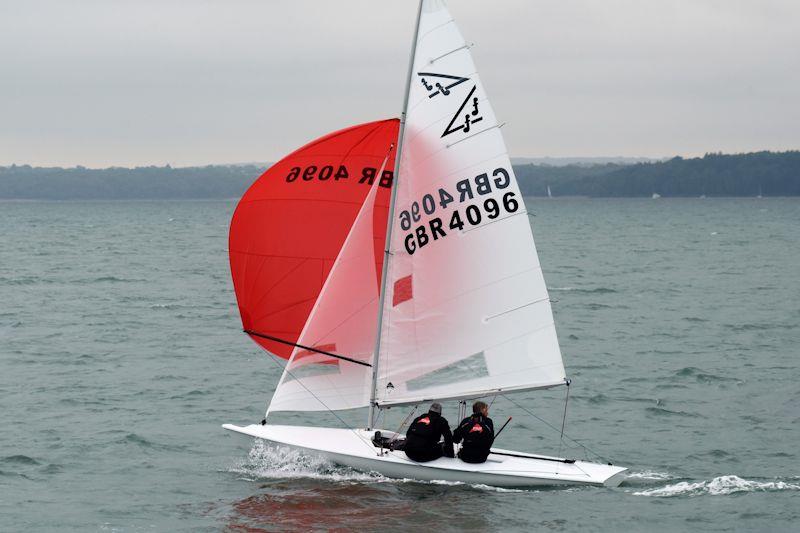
<point x="390" y="224"/>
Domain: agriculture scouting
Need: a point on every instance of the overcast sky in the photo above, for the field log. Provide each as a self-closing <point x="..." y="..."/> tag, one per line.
<point x="119" y="82"/>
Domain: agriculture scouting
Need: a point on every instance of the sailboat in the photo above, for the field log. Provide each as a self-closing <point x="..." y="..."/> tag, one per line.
<point x="392" y="264"/>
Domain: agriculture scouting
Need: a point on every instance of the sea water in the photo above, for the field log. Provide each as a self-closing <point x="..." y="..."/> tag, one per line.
<point x="121" y="353"/>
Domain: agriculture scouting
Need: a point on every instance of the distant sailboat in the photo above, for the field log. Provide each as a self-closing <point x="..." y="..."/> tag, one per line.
<point x="549" y="193"/>
<point x="393" y="264"/>
<point x="656" y="196"/>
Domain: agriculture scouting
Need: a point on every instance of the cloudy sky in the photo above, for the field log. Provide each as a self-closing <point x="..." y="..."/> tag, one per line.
<point x="185" y="82"/>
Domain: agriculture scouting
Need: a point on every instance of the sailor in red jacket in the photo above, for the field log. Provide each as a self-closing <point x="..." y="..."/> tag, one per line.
<point x="423" y="436"/>
<point x="477" y="432"/>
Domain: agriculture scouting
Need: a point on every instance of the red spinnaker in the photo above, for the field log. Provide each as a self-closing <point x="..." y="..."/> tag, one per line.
<point x="291" y="223"/>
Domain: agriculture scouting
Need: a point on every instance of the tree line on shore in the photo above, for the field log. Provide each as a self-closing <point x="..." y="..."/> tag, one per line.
<point x="751" y="174"/>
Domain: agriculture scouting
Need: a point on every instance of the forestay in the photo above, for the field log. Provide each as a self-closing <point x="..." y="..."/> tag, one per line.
<point x="466" y="309"/>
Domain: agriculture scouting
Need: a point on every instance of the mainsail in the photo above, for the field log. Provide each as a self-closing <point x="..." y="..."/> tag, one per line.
<point x="466" y="311"/>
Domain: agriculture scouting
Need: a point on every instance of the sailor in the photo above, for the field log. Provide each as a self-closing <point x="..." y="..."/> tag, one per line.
<point x="477" y="432"/>
<point x="422" y="438"/>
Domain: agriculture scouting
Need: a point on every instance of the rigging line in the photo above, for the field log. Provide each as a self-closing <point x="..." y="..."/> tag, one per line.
<point x="498" y="126"/>
<point x="492" y="402"/>
<point x="435" y="59"/>
<point x="564" y="418"/>
<point x="545" y="422"/>
<point x="540" y="300"/>
<point x="538" y="457"/>
<point x="323" y="352"/>
<point x="404" y="422"/>
<point x="345" y="424"/>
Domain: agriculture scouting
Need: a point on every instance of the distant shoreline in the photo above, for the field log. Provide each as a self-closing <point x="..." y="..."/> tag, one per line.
<point x="232" y="200"/>
<point x="766" y="174"/>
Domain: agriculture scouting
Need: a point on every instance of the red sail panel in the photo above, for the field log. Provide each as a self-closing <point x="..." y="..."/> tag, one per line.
<point x="291" y="224"/>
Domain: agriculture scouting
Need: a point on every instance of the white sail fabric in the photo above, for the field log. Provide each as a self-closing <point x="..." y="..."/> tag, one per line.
<point x="342" y="322"/>
<point x="466" y="311"/>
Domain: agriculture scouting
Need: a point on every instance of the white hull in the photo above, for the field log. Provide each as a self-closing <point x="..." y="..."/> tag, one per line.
<point x="354" y="448"/>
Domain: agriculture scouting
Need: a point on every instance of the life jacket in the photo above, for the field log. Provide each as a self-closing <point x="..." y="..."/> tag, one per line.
<point x="477" y="434"/>
<point x="425" y="428"/>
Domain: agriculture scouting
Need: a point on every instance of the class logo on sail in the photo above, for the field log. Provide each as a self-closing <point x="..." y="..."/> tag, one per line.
<point x="468" y="112"/>
<point x="439" y="84"/>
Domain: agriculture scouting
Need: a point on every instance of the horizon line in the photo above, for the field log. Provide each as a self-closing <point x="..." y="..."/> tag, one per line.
<point x="610" y="158"/>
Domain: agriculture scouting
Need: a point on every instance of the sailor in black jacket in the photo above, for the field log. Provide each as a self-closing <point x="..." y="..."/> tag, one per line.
<point x="422" y="438"/>
<point x="477" y="432"/>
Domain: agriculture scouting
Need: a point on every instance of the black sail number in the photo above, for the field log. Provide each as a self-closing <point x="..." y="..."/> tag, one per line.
<point x="323" y="173"/>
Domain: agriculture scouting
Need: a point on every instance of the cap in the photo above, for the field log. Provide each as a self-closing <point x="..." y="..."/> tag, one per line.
<point x="435" y="408"/>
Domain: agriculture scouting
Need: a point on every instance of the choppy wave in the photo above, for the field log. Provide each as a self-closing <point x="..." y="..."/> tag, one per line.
<point x="701" y="376"/>
<point x="596" y="290"/>
<point x="169" y="307"/>
<point x="142" y="442"/>
<point x="694" y="319"/>
<point x="660" y="411"/>
<point x="19" y="460"/>
<point x="719" y="486"/>
<point x="111" y="279"/>
<point x="751" y="327"/>
<point x="23" y="280"/>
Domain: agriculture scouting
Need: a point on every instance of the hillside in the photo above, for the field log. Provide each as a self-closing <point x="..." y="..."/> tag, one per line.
<point x="765" y="173"/>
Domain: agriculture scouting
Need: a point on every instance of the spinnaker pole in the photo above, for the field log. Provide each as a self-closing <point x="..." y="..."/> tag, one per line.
<point x="390" y="224"/>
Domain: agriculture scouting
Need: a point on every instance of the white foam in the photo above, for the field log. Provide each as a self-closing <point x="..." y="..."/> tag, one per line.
<point x="281" y="462"/>
<point x="650" y="475"/>
<point x="481" y="486"/>
<point x="719" y="486"/>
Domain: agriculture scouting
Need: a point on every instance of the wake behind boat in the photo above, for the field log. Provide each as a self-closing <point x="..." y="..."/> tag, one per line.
<point x="393" y="264"/>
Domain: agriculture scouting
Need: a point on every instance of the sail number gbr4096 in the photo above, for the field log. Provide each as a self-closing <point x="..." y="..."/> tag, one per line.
<point x="468" y="208"/>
